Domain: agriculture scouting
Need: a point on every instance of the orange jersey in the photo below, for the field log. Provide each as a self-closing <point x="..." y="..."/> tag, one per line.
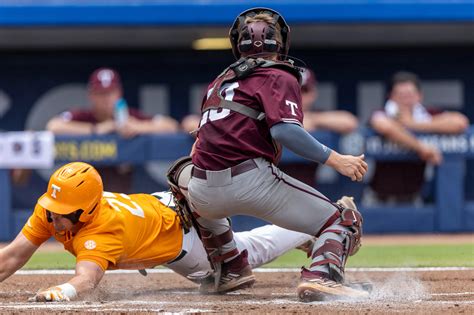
<point x="125" y="232"/>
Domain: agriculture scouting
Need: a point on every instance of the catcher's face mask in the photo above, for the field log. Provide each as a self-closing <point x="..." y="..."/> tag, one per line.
<point x="259" y="37"/>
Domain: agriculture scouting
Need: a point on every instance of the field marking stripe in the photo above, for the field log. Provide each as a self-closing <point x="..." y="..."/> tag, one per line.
<point x="452" y="294"/>
<point x="147" y="306"/>
<point x="261" y="270"/>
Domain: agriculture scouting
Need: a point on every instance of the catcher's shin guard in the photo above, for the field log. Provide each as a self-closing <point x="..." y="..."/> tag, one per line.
<point x="339" y="238"/>
<point x="231" y="269"/>
<point x="338" y="241"/>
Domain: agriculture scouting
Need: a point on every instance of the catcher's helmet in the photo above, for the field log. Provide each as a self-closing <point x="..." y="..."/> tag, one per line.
<point x="259" y="37"/>
<point x="75" y="188"/>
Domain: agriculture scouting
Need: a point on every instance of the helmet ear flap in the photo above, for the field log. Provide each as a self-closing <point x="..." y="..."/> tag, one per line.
<point x="86" y="216"/>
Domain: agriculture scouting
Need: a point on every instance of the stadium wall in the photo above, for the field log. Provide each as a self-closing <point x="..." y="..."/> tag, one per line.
<point x="48" y="48"/>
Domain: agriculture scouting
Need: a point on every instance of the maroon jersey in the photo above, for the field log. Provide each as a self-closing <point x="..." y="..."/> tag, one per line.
<point x="227" y="138"/>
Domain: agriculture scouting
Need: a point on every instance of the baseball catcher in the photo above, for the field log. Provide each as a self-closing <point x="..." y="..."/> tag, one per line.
<point x="253" y="108"/>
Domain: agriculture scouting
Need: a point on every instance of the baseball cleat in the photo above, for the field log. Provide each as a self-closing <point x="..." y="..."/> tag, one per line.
<point x="233" y="281"/>
<point x="317" y="286"/>
<point x="236" y="274"/>
<point x="207" y="282"/>
<point x="347" y="202"/>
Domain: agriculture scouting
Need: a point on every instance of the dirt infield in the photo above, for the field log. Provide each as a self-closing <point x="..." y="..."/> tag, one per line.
<point x="413" y="292"/>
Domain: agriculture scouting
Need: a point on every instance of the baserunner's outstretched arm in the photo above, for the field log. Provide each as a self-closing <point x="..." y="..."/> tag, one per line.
<point x="15" y="255"/>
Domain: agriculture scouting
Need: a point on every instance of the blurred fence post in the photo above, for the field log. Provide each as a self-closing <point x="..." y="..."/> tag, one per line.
<point x="5" y="205"/>
<point x="450" y="194"/>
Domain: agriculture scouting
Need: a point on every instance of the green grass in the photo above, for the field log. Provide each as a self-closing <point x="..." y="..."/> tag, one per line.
<point x="51" y="260"/>
<point x="368" y="256"/>
<point x="396" y="256"/>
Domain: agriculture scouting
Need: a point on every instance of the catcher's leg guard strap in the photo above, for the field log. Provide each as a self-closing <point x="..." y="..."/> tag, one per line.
<point x="215" y="241"/>
<point x="213" y="244"/>
<point x="329" y="222"/>
<point x="330" y="246"/>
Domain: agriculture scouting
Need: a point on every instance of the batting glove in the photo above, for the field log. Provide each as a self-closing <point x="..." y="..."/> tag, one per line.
<point x="60" y="293"/>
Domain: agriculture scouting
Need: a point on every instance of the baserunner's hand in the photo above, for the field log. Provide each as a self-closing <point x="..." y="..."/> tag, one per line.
<point x="60" y="293"/>
<point x="351" y="166"/>
<point x="53" y="294"/>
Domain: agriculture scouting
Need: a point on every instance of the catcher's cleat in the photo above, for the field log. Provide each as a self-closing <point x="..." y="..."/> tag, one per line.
<point x="236" y="274"/>
<point x="347" y="202"/>
<point x="317" y="286"/>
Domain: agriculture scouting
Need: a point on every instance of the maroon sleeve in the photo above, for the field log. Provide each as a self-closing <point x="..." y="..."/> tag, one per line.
<point x="433" y="110"/>
<point x="280" y="96"/>
<point x="135" y="113"/>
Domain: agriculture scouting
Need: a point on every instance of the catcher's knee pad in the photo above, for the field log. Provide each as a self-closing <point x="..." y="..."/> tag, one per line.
<point x="352" y="219"/>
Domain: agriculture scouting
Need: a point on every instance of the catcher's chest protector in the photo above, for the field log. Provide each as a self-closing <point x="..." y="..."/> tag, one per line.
<point x="238" y="71"/>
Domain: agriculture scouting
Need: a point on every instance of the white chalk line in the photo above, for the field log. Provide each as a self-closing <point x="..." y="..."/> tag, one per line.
<point x="257" y="270"/>
<point x="156" y="306"/>
<point x="432" y="294"/>
<point x="453" y="294"/>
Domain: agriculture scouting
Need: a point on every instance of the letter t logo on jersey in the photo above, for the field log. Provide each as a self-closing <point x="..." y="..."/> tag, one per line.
<point x="55" y="190"/>
<point x="293" y="106"/>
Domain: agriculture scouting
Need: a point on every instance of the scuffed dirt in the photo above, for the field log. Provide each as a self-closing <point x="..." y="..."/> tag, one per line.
<point x="440" y="292"/>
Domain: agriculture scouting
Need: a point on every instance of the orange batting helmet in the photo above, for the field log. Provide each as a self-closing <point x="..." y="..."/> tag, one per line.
<point x="73" y="187"/>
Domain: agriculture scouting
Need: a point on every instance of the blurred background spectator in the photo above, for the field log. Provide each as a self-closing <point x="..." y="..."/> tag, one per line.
<point x="104" y="93"/>
<point x="402" y="115"/>
<point x="190" y="122"/>
<point x="339" y="121"/>
<point x="108" y="113"/>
